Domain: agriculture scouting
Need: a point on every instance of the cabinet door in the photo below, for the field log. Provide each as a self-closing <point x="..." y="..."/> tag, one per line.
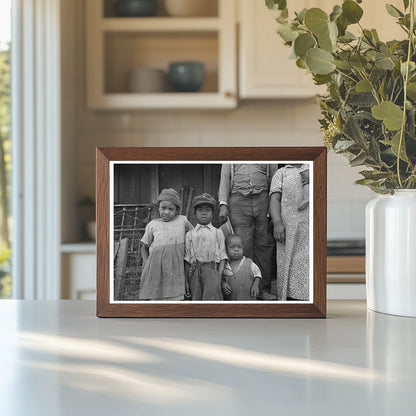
<point x="266" y="71"/>
<point x="119" y="46"/>
<point x="78" y="276"/>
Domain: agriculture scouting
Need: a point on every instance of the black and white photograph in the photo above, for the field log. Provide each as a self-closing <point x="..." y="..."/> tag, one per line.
<point x="208" y="231"/>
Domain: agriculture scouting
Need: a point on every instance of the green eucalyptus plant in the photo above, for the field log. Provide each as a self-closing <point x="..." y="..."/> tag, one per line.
<point x="369" y="112"/>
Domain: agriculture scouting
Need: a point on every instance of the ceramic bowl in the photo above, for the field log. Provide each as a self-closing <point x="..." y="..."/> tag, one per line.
<point x="191" y="8"/>
<point x="147" y="80"/>
<point x="186" y="76"/>
<point x="135" y="8"/>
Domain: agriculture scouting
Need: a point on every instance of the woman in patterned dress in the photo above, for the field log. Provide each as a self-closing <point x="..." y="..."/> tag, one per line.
<point x="290" y="217"/>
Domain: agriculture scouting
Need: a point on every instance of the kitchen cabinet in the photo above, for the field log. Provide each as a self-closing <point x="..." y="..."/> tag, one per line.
<point x="265" y="70"/>
<point x="79" y="269"/>
<point x="118" y="45"/>
<point x="346" y="277"/>
<point x="78" y="263"/>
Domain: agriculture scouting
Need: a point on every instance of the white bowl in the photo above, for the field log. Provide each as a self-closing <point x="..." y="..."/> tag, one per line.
<point x="147" y="80"/>
<point x="191" y="8"/>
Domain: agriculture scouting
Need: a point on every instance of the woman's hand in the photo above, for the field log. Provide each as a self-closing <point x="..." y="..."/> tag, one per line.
<point x="279" y="232"/>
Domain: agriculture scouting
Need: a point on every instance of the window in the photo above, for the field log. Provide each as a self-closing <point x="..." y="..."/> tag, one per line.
<point x="5" y="147"/>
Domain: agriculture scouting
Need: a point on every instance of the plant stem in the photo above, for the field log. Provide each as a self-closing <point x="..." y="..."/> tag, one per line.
<point x="346" y="75"/>
<point x="373" y="88"/>
<point x="405" y="81"/>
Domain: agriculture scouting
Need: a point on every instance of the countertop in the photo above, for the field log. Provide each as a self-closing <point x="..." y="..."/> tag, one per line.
<point x="57" y="358"/>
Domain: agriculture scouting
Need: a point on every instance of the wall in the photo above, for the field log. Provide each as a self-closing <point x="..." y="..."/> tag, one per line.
<point x="253" y="123"/>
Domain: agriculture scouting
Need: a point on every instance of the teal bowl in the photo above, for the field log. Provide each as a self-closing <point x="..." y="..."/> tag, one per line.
<point x="135" y="8"/>
<point x="186" y="76"/>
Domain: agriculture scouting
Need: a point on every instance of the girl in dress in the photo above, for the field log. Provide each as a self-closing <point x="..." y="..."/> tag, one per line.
<point x="162" y="249"/>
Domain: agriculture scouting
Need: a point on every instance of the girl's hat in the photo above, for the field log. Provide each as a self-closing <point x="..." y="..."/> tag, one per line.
<point x="170" y="195"/>
<point x="204" y="199"/>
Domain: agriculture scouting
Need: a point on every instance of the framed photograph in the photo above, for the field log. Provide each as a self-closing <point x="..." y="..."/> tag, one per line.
<point x="211" y="232"/>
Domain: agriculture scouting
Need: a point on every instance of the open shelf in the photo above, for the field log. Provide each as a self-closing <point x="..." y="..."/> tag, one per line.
<point x="160" y="24"/>
<point x="127" y="51"/>
<point x="210" y="9"/>
<point x="118" y="45"/>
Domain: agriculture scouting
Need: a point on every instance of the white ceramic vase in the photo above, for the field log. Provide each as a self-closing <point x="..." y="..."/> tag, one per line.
<point x="391" y="253"/>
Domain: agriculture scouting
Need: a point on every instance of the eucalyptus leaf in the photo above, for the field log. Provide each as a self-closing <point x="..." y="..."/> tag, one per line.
<point x="375" y="35"/>
<point x="395" y="142"/>
<point x="391" y="114"/>
<point x="358" y="61"/>
<point x="287" y="33"/>
<point x="347" y="37"/>
<point x="301" y="15"/>
<point x="345" y="65"/>
<point x="303" y="43"/>
<point x="334" y="91"/>
<point x="374" y="150"/>
<point x="393" y="11"/>
<point x="382" y="89"/>
<point x="351" y="11"/>
<point x="301" y="63"/>
<point x="385" y="50"/>
<point x="320" y="61"/>
<point x="384" y="62"/>
<point x="358" y="160"/>
<point x="342" y="25"/>
<point x="325" y="42"/>
<point x="377" y="75"/>
<point x="281" y="19"/>
<point x="361" y="100"/>
<point x="333" y="32"/>
<point x="405" y="21"/>
<point x="374" y="174"/>
<point x="363" y="86"/>
<point x="353" y="131"/>
<point x="369" y="36"/>
<point x="411" y="90"/>
<point x="316" y="20"/>
<point x="412" y="67"/>
<point x="321" y="79"/>
<point x="276" y="4"/>
<point x="336" y="12"/>
<point x="343" y="145"/>
<point x="365" y="182"/>
<point x="379" y="187"/>
<point x="412" y="123"/>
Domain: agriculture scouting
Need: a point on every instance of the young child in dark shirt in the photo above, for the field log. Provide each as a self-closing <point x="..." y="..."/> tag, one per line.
<point x="241" y="275"/>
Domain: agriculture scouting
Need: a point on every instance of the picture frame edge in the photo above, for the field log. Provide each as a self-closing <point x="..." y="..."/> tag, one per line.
<point x="106" y="309"/>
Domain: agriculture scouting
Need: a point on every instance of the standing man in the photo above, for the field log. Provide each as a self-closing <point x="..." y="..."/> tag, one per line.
<point x="243" y="195"/>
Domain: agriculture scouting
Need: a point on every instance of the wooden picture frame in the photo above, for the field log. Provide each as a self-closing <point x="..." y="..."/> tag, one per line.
<point x="111" y="160"/>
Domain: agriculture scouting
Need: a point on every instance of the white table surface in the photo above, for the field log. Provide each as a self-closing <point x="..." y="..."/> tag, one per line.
<point x="57" y="358"/>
